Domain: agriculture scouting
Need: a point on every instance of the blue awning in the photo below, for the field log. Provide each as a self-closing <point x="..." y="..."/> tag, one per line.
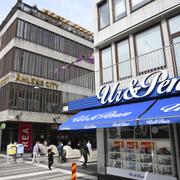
<point x="116" y="116"/>
<point x="164" y="111"/>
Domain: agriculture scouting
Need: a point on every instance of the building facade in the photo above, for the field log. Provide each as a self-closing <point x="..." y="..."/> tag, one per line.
<point x="43" y="65"/>
<point x="134" y="38"/>
<point x="137" y="107"/>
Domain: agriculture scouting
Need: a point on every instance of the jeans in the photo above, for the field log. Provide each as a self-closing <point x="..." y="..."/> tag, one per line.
<point x="85" y="160"/>
<point x="50" y="162"/>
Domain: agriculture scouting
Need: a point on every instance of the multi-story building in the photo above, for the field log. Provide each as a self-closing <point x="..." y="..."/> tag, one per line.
<point x="134" y="38"/>
<point x="138" y="136"/>
<point x="44" y="63"/>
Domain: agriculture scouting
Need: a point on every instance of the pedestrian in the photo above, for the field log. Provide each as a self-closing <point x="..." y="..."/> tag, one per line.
<point x="35" y="152"/>
<point x="84" y="152"/>
<point x="89" y="146"/>
<point x="50" y="158"/>
<point x="60" y="151"/>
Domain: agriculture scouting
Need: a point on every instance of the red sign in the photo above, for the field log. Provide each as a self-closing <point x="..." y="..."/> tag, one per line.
<point x="25" y="136"/>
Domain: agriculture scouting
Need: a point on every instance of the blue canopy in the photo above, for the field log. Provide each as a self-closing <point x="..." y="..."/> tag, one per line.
<point x="116" y="116"/>
<point x="164" y="111"/>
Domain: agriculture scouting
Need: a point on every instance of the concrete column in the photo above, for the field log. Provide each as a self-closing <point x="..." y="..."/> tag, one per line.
<point x="168" y="52"/>
<point x="114" y="68"/>
<point x="101" y="169"/>
<point x="132" y="53"/>
<point x="111" y="12"/>
<point x="128" y="9"/>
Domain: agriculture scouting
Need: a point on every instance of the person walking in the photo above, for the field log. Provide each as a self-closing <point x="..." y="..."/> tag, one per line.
<point x="60" y="151"/>
<point x="35" y="152"/>
<point x="50" y="158"/>
<point x="84" y="152"/>
<point x="89" y="146"/>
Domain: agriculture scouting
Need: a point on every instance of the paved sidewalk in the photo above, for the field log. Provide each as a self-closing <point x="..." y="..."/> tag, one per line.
<point x="29" y="171"/>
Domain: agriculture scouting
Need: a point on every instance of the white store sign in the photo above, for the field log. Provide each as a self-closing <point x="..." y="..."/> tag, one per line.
<point x="160" y="82"/>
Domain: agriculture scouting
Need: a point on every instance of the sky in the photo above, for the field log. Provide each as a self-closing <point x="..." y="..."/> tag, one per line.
<point x="77" y="11"/>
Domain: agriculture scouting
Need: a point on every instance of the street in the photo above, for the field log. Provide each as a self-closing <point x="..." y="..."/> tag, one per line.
<point x="27" y="170"/>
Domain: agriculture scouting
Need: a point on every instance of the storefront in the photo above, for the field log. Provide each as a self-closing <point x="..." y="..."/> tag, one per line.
<point x="28" y="133"/>
<point x="139" y="127"/>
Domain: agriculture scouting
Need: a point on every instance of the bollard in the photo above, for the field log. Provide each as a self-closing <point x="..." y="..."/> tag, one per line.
<point x="73" y="171"/>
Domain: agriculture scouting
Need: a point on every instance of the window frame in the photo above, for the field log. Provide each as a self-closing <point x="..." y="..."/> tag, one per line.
<point x="140" y="5"/>
<point x="122" y="14"/>
<point x="117" y="59"/>
<point x="171" y="37"/>
<point x="98" y="13"/>
<point x="101" y="68"/>
<point x="135" y="49"/>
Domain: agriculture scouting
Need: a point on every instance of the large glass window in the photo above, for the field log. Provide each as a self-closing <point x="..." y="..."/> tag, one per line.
<point x="138" y="3"/>
<point x="149" y="49"/>
<point x="103" y="13"/>
<point x="124" y="62"/>
<point x="49" y="39"/>
<point x="174" y="26"/>
<point x="145" y="149"/>
<point x="106" y="61"/>
<point x="119" y="9"/>
<point x="35" y="64"/>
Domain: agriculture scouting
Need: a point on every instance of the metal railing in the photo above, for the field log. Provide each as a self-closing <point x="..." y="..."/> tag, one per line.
<point x="33" y="10"/>
<point x="167" y="57"/>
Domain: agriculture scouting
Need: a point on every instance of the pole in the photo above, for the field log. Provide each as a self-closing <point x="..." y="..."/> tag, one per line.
<point x="73" y="171"/>
<point x="0" y="138"/>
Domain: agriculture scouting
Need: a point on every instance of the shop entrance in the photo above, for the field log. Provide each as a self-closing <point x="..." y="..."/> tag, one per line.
<point x="73" y="138"/>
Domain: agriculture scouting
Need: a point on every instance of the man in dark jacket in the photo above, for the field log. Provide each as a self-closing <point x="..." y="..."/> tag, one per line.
<point x="85" y="152"/>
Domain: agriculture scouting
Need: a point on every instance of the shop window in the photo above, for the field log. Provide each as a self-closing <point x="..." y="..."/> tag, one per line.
<point x="124" y="61"/>
<point x="144" y="149"/>
<point x="119" y="9"/>
<point x="149" y="50"/>
<point x="174" y="26"/>
<point x="127" y="132"/>
<point x="142" y="132"/>
<point x="103" y="15"/>
<point x="106" y="65"/>
<point x="135" y="4"/>
<point x="160" y="131"/>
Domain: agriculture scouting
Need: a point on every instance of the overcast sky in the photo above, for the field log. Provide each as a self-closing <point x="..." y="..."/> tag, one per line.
<point x="77" y="11"/>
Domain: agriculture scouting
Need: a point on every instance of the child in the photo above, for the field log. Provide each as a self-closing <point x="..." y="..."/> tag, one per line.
<point x="50" y="158"/>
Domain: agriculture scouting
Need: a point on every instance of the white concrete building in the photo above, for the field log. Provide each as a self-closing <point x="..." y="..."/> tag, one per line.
<point x="44" y="63"/>
<point x="134" y="38"/>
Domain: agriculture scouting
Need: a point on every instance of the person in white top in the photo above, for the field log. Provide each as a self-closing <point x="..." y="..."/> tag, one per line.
<point x="89" y="146"/>
<point x="35" y="152"/>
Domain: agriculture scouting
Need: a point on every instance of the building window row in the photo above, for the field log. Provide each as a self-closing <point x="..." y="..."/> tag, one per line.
<point x="23" y="61"/>
<point x="38" y="35"/>
<point x="149" y="53"/>
<point x="27" y="98"/>
<point x="118" y="8"/>
<point x="9" y="34"/>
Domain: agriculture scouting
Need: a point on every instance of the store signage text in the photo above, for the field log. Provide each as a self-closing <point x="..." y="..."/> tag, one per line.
<point x="160" y="81"/>
<point x="4" y="80"/>
<point x="171" y="107"/>
<point x="109" y="115"/>
<point x="36" y="82"/>
<point x="25" y="136"/>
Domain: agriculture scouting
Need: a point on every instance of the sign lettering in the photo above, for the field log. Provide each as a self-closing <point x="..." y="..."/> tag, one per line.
<point x="160" y="81"/>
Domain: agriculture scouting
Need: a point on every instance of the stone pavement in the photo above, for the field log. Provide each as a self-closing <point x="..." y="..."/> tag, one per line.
<point x="29" y="171"/>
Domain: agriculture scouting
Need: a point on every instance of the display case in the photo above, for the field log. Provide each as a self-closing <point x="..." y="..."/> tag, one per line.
<point x="145" y="155"/>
